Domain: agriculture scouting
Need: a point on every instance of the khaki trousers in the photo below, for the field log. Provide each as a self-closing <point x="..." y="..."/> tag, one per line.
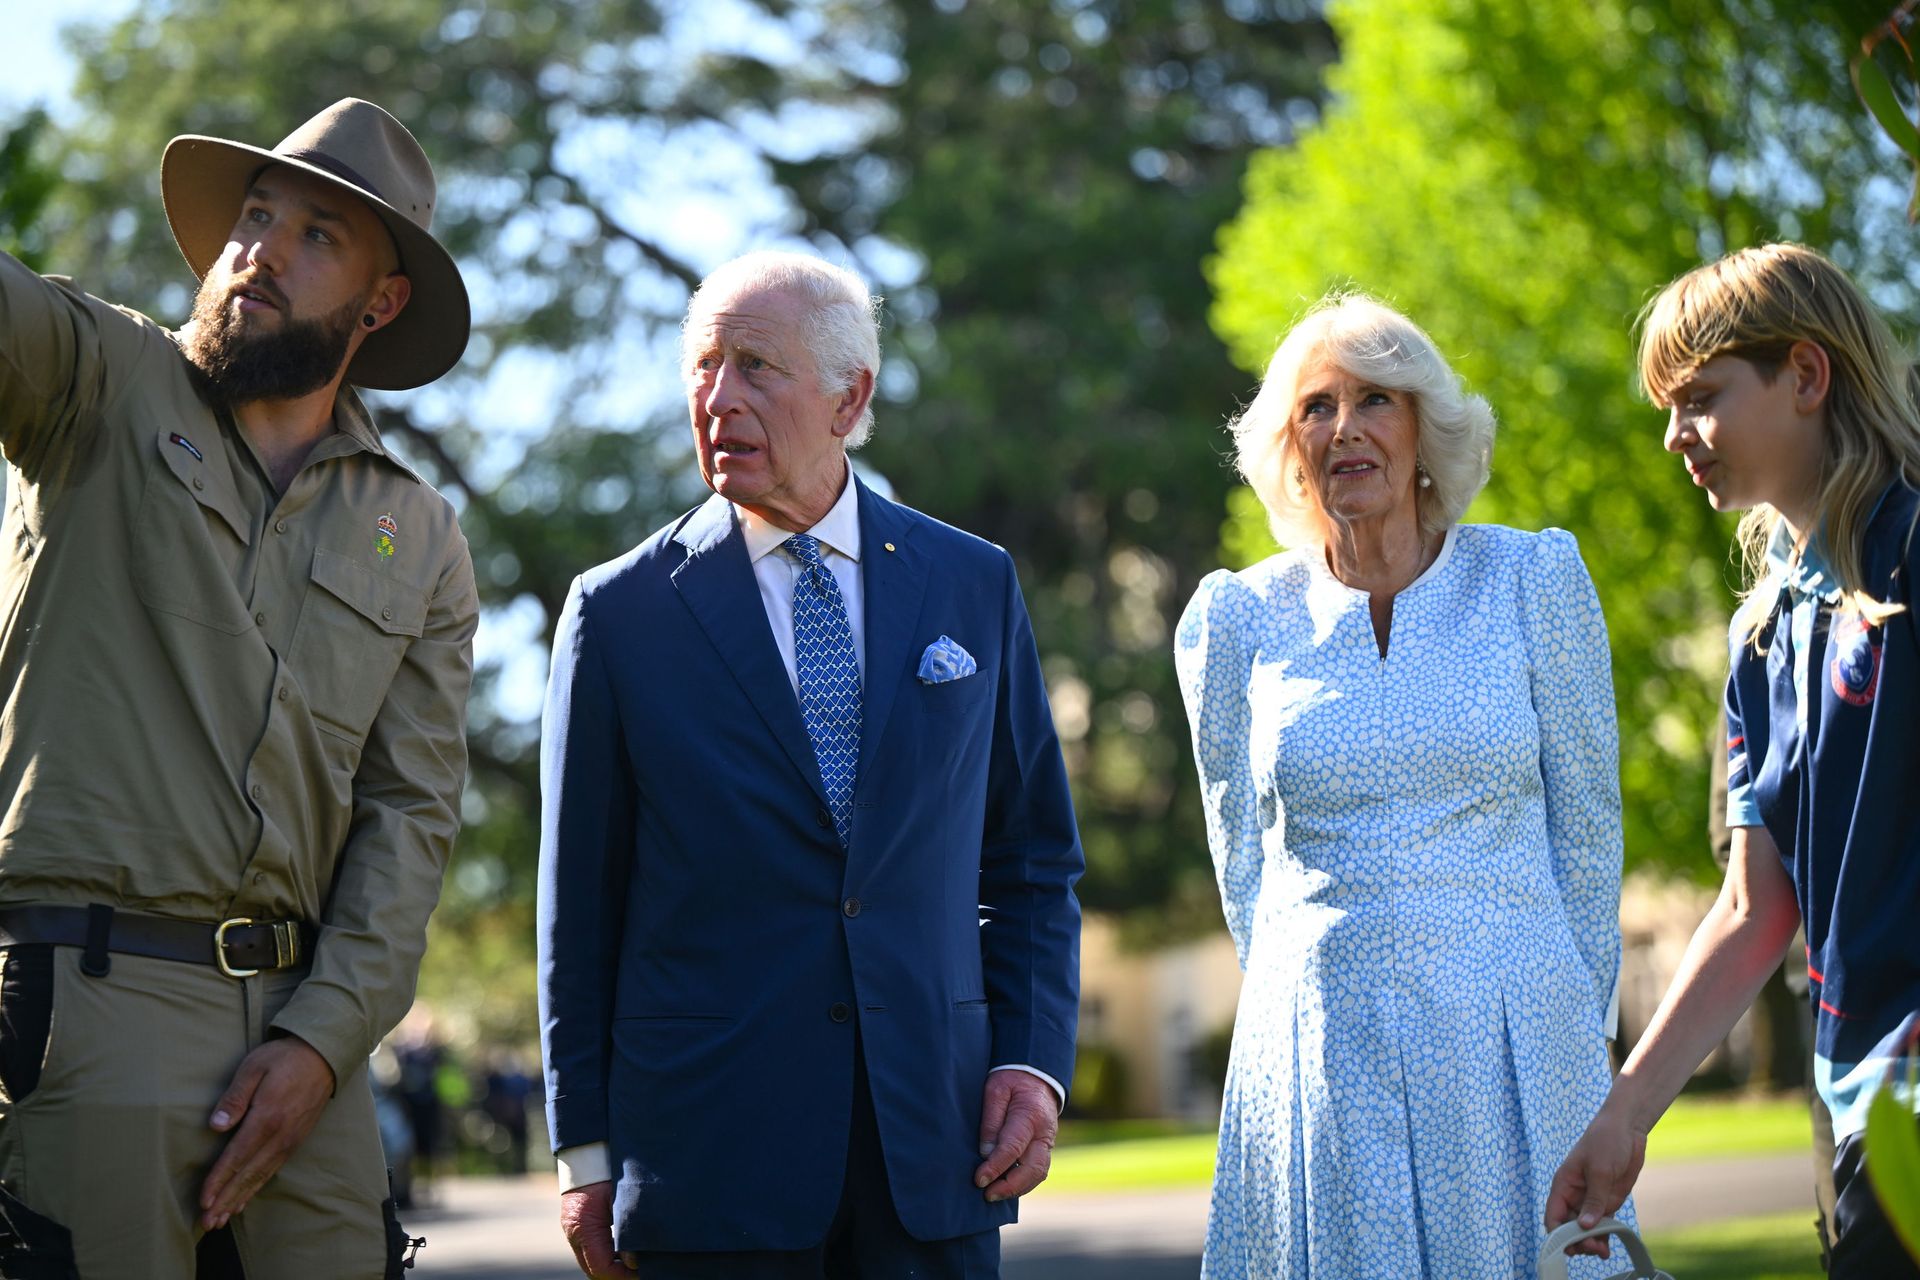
<point x="111" y="1142"/>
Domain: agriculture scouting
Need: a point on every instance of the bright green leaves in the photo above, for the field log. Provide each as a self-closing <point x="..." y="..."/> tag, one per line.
<point x="1893" y="1156"/>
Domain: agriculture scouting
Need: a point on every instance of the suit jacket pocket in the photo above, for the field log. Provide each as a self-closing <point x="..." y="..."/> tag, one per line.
<point x="953" y="697"/>
<point x="26" y="1017"/>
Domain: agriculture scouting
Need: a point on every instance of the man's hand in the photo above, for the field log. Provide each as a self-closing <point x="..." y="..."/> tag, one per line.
<point x="586" y="1217"/>
<point x="1019" y="1119"/>
<point x="275" y="1099"/>
<point x="1596" y="1176"/>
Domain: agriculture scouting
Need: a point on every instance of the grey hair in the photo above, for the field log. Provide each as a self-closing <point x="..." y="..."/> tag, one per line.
<point x="842" y="331"/>
<point x="1369" y="340"/>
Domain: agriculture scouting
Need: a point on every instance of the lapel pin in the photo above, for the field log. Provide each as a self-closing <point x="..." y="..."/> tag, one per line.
<point x="889" y="546"/>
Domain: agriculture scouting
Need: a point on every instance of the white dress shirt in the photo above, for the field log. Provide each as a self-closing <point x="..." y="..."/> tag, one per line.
<point x="775" y="570"/>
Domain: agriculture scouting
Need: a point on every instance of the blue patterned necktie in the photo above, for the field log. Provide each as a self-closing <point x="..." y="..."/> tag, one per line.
<point x="829" y="676"/>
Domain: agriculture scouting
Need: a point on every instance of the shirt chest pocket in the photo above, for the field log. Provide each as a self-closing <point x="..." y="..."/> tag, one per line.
<point x="188" y="541"/>
<point x="354" y="630"/>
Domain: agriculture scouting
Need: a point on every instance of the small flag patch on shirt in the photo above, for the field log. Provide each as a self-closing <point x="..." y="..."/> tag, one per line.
<point x="186" y="444"/>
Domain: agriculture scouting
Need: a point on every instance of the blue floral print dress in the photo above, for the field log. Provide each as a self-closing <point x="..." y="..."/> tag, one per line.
<point x="1419" y="860"/>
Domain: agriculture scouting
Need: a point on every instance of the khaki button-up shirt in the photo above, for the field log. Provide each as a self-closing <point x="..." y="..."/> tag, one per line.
<point x="222" y="701"/>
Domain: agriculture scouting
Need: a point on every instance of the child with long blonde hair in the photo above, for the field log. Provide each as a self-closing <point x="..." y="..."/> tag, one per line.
<point x="1789" y="398"/>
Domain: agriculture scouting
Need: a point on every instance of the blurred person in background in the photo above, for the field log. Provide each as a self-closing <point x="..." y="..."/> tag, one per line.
<point x="504" y="1094"/>
<point x="1789" y="399"/>
<point x="1404" y="728"/>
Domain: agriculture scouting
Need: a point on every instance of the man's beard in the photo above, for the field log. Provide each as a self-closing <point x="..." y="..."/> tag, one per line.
<point x="299" y="357"/>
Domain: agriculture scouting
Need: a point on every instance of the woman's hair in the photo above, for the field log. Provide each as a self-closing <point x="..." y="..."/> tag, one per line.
<point x="1756" y="304"/>
<point x="842" y="328"/>
<point x="1369" y="340"/>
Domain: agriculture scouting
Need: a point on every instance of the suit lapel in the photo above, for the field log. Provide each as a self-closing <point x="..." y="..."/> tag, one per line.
<point x="895" y="583"/>
<point x="716" y="581"/>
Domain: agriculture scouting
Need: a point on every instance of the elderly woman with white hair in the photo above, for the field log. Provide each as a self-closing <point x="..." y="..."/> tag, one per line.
<point x="1404" y="728"/>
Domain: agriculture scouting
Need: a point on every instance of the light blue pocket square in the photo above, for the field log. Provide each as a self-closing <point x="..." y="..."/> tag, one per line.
<point x="945" y="660"/>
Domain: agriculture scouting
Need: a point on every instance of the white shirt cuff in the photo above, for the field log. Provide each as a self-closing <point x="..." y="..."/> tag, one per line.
<point x="1059" y="1090"/>
<point x="584" y="1164"/>
<point x="590" y="1162"/>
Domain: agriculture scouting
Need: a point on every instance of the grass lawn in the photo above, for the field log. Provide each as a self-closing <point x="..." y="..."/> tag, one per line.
<point x="1137" y="1155"/>
<point x="1777" y="1247"/>
<point x="1131" y="1164"/>
<point x="1702" y="1127"/>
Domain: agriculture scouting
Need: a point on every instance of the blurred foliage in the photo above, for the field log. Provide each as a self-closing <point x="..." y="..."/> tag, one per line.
<point x="1034" y="185"/>
<point x="1212" y="1054"/>
<point x="1884" y="76"/>
<point x="27" y="182"/>
<point x="1521" y="179"/>
<point x="1893" y="1144"/>
<point x="1099" y="1082"/>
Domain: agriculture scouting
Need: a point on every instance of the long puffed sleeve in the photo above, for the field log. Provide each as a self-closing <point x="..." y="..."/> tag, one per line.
<point x="1572" y="683"/>
<point x="1213" y="654"/>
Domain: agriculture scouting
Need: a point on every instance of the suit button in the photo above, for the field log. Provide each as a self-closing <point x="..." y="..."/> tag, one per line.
<point x="822" y="819"/>
<point x="840" y="1012"/>
<point x="851" y="907"/>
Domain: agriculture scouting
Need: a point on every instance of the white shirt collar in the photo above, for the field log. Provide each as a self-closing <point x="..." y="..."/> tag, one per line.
<point x="838" y="530"/>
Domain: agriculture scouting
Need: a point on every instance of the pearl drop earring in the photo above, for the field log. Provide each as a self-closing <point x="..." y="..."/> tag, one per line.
<point x="1426" y="481"/>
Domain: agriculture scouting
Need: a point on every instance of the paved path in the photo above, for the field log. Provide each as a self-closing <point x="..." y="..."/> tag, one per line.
<point x="506" y="1229"/>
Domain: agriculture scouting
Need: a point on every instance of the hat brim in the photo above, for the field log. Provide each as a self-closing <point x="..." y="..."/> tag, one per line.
<point x="203" y="182"/>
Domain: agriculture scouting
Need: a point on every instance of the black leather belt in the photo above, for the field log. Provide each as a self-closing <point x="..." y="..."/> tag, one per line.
<point x="239" y="947"/>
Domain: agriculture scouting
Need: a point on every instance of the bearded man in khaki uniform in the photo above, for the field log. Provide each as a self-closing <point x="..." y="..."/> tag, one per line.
<point x="236" y="643"/>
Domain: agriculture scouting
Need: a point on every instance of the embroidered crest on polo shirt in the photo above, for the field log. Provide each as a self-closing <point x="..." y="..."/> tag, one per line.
<point x="385" y="535"/>
<point x="1856" y="661"/>
<point x="184" y="443"/>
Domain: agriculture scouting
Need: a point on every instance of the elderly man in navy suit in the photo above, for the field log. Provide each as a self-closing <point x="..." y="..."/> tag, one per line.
<point x="809" y="945"/>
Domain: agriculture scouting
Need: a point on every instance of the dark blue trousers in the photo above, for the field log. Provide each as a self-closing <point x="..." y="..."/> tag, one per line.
<point x="866" y="1240"/>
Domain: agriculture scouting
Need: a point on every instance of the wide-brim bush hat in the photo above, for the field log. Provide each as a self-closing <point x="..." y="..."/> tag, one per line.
<point x="361" y="149"/>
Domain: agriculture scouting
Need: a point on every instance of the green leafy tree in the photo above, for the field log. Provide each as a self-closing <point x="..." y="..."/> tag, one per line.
<point x="1520" y="179"/>
<point x="27" y="182"/>
<point x="1059" y="171"/>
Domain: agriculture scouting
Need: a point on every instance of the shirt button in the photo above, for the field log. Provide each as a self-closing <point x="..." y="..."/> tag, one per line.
<point x="279" y="526"/>
<point x="851" y="907"/>
<point x="257" y="791"/>
<point x="198" y="483"/>
<point x="386" y="615"/>
<point x="839" y="1012"/>
<point x="259" y="619"/>
<point x="259" y="877"/>
<point x="282" y="695"/>
<point x="822" y="819"/>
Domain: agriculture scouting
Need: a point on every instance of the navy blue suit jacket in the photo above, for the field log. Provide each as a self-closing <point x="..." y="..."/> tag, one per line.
<point x="703" y="966"/>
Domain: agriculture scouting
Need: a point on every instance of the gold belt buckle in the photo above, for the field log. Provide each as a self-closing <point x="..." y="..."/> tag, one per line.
<point x="220" y="947"/>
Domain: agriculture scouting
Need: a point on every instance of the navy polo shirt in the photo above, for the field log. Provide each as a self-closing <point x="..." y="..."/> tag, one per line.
<point x="1823" y="725"/>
